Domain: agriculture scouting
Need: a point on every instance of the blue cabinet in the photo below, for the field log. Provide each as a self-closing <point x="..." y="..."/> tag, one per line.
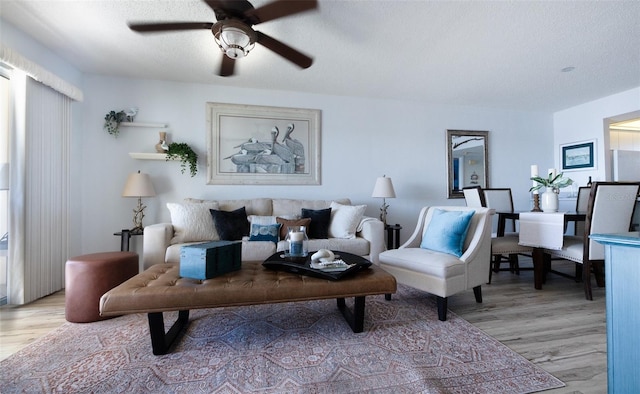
<point x="622" y="273"/>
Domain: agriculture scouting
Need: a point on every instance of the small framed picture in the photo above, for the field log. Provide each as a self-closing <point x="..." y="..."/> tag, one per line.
<point x="578" y="156"/>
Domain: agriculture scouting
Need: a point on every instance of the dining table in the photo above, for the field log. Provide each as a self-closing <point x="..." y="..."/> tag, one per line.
<point x="544" y="225"/>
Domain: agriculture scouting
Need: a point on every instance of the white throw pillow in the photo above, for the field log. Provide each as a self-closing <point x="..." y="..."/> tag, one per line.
<point x="192" y="222"/>
<point x="345" y="220"/>
<point x="261" y="220"/>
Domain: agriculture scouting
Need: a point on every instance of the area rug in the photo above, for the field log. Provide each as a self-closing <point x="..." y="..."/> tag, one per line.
<point x="303" y="347"/>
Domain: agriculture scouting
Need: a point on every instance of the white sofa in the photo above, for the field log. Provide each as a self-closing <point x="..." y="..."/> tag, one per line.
<point x="162" y="241"/>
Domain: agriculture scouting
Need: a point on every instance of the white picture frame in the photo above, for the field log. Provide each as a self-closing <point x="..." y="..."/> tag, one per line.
<point x="262" y="145"/>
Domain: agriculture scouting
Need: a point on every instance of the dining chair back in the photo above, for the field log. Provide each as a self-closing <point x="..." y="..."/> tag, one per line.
<point x="609" y="210"/>
<point x="582" y="204"/>
<point x="501" y="200"/>
<point x="474" y="197"/>
<point x="611" y="206"/>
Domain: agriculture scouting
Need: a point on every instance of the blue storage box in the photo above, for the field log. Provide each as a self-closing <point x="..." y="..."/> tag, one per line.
<point x="211" y="259"/>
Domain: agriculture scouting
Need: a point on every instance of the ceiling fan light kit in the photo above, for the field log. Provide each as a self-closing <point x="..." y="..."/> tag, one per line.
<point x="234" y="38"/>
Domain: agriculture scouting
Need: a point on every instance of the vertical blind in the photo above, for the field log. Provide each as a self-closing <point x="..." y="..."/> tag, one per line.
<point x="40" y="222"/>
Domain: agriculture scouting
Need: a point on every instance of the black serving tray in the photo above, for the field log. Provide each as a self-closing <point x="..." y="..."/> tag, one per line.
<point x="280" y="262"/>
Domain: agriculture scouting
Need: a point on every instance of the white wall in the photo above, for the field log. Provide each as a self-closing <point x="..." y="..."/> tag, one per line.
<point x="361" y="140"/>
<point x="590" y="121"/>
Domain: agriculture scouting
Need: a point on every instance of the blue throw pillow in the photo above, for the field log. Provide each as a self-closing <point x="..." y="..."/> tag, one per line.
<point x="447" y="231"/>
<point x="265" y="232"/>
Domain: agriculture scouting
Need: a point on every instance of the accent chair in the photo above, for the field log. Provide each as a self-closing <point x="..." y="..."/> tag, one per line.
<point x="442" y="256"/>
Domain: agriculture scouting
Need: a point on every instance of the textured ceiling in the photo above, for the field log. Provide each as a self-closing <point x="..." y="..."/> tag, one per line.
<point x="506" y="54"/>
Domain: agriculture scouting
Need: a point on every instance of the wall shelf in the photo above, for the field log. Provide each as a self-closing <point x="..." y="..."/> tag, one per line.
<point x="140" y="124"/>
<point x="148" y="156"/>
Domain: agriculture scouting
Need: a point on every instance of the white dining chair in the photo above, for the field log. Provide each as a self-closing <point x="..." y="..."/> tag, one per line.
<point x="501" y="200"/>
<point x="610" y="209"/>
<point x="582" y="204"/>
<point x="504" y="247"/>
<point x="473" y="196"/>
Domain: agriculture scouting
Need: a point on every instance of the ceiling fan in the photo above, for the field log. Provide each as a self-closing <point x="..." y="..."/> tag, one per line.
<point x="233" y="32"/>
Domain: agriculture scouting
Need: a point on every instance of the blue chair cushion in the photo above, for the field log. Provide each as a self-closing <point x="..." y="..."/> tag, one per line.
<point x="447" y="231"/>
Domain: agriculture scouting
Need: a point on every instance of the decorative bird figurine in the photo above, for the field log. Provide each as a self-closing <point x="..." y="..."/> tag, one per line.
<point x="131" y="113"/>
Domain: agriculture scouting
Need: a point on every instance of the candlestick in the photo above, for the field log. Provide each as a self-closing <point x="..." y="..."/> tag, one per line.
<point x="536" y="202"/>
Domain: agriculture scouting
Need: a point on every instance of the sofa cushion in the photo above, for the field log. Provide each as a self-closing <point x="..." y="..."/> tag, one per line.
<point x="291" y="208"/>
<point x="192" y="222"/>
<point x="265" y="232"/>
<point x="446" y="231"/>
<point x="345" y="220"/>
<point x="320" y="219"/>
<point x="231" y="225"/>
<point x="258" y="219"/>
<point x="424" y="261"/>
<point x="254" y="206"/>
<point x="286" y="223"/>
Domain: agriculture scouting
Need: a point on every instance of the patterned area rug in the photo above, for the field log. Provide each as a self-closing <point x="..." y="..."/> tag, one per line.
<point x="303" y="347"/>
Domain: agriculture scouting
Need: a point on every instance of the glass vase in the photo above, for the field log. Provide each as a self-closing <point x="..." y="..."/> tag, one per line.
<point x="298" y="241"/>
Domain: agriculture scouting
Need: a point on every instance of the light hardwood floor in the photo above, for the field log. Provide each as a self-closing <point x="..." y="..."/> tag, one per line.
<point x="555" y="328"/>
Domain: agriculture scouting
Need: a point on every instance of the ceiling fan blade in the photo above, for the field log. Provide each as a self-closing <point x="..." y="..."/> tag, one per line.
<point x="226" y="66"/>
<point x="279" y="9"/>
<point x="168" y="26"/>
<point x="284" y="50"/>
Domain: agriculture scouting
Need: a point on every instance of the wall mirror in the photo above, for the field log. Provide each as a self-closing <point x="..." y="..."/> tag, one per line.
<point x="467" y="160"/>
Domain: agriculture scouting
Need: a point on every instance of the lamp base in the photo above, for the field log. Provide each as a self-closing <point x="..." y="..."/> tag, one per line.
<point x="136" y="231"/>
<point x="138" y="214"/>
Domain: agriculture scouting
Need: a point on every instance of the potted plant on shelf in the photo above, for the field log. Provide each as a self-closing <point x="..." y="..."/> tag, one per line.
<point x="186" y="155"/>
<point x="112" y="122"/>
<point x="553" y="183"/>
<point x="113" y="119"/>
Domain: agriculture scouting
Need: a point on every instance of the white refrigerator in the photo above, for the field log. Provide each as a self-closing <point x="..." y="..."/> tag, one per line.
<point x="626" y="165"/>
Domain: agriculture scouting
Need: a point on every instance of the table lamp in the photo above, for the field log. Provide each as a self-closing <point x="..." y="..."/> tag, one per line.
<point x="383" y="189"/>
<point x="138" y="185"/>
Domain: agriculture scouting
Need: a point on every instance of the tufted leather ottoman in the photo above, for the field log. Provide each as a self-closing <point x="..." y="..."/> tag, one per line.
<point x="89" y="276"/>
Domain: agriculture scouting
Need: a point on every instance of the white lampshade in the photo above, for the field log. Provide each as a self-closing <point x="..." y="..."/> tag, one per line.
<point x="138" y="185"/>
<point x="4" y="176"/>
<point x="383" y="188"/>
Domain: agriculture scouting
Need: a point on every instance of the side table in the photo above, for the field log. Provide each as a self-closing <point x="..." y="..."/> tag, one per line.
<point x="393" y="235"/>
<point x="125" y="236"/>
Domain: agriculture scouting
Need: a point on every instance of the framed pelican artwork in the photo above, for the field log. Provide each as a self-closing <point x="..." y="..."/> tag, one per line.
<point x="260" y="145"/>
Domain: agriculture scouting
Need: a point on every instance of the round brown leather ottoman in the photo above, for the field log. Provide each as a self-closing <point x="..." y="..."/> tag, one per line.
<point x="89" y="276"/>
